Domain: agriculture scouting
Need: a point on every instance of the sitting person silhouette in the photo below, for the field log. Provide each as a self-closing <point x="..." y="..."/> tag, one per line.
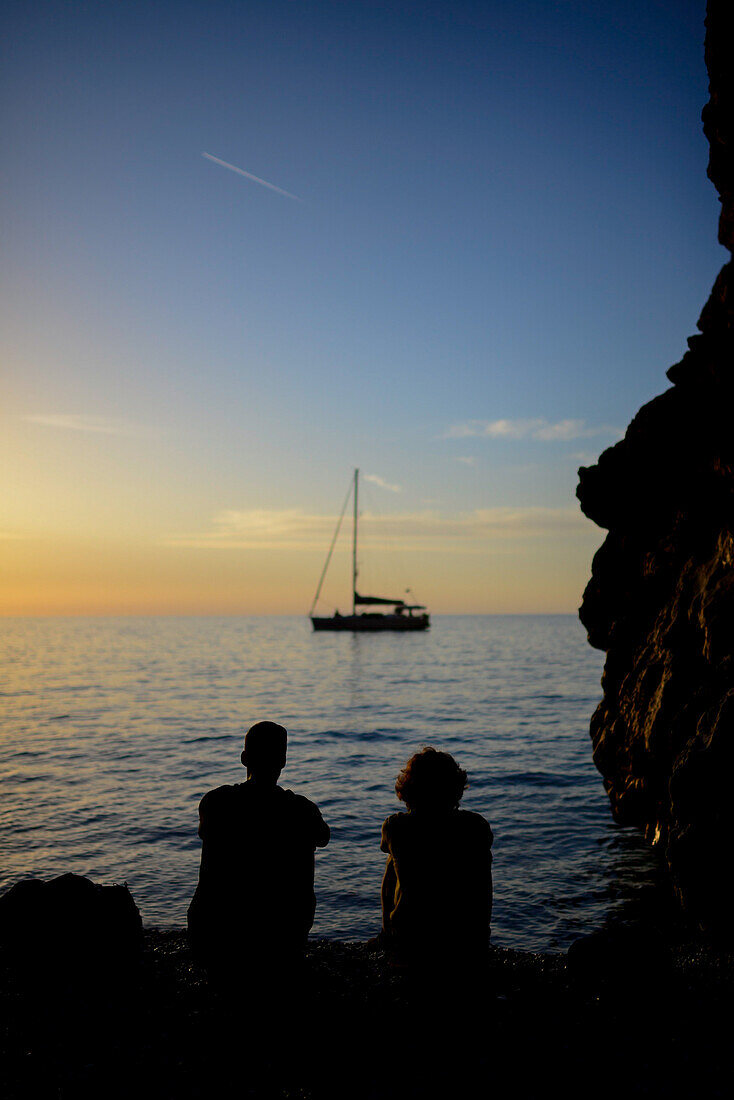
<point x="255" y="903"/>
<point x="437" y="886"/>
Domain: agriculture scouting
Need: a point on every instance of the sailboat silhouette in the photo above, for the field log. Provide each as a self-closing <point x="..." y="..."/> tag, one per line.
<point x="404" y="616"/>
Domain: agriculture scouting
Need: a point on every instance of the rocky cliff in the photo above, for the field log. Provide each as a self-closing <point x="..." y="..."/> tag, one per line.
<point x="661" y="596"/>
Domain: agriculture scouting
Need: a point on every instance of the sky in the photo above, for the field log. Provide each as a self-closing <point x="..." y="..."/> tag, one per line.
<point x="249" y="247"/>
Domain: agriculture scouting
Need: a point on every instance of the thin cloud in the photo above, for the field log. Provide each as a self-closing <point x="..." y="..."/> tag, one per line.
<point x="250" y="176"/>
<point x="565" y="430"/>
<point x="292" y="529"/>
<point x="466" y="459"/>
<point x="537" y="428"/>
<point x="78" y="422"/>
<point x="377" y="480"/>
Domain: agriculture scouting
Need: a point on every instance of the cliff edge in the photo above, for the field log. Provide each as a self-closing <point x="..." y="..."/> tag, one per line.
<point x="661" y="596"/>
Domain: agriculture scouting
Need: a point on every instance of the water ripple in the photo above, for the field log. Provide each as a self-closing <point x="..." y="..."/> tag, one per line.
<point x="102" y="771"/>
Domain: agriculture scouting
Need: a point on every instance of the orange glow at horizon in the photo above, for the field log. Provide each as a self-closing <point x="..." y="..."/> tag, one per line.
<point x="99" y="577"/>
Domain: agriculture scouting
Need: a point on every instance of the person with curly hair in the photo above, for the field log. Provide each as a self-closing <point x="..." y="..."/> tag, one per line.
<point x="437" y="886"/>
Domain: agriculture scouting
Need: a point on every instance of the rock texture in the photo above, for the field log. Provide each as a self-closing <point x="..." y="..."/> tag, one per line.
<point x="661" y="597"/>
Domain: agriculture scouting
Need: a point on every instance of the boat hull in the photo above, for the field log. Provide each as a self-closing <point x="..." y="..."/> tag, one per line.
<point x="372" y="623"/>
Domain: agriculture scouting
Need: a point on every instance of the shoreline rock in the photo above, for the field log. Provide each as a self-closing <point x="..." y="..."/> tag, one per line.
<point x="359" y="1029"/>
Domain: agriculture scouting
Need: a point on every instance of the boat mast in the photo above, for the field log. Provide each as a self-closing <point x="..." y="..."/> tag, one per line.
<point x="354" y="544"/>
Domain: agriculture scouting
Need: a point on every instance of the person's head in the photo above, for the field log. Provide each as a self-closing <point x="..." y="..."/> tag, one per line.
<point x="431" y="780"/>
<point x="264" y="751"/>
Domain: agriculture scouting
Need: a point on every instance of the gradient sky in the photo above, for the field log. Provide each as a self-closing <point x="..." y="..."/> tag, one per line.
<point x="496" y="235"/>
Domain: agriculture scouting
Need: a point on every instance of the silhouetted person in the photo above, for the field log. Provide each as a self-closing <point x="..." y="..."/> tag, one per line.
<point x="437" y="887"/>
<point x="254" y="905"/>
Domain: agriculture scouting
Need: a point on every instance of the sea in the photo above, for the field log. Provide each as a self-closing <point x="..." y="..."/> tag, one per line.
<point x="113" y="729"/>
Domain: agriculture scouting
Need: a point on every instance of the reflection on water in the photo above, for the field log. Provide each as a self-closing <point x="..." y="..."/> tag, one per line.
<point x="114" y="728"/>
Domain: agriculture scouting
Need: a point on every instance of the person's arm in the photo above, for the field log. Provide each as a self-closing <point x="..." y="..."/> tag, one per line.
<point x="320" y="830"/>
<point x="478" y="871"/>
<point x="389" y="879"/>
<point x="204" y="808"/>
<point x="323" y="833"/>
<point x="486" y="874"/>
<point x="387" y="894"/>
<point x="385" y="837"/>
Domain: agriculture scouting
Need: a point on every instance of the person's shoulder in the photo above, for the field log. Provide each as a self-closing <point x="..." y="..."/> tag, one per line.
<point x="474" y="821"/>
<point x="300" y="804"/>
<point x="394" y="823"/>
<point x="295" y="798"/>
<point x="307" y="818"/>
<point x="391" y="829"/>
<point x="219" y="797"/>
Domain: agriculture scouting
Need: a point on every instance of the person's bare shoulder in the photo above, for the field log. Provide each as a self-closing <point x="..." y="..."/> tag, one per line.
<point x="391" y="827"/>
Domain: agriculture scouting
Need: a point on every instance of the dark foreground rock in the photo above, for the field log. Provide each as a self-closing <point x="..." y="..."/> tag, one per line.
<point x="531" y="1026"/>
<point x="661" y="597"/>
<point x="71" y="929"/>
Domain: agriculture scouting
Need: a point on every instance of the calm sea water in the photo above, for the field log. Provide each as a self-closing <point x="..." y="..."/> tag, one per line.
<point x="113" y="729"/>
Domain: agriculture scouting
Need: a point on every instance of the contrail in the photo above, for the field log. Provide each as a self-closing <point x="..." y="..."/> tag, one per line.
<point x="249" y="176"/>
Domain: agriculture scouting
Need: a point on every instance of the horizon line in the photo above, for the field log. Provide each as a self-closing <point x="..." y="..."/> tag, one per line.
<point x="248" y="614"/>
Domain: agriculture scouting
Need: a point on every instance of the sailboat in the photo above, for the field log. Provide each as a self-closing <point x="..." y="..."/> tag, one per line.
<point x="404" y="616"/>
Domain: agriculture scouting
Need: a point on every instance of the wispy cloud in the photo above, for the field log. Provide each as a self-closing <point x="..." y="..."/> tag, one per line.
<point x="250" y="176"/>
<point x="377" y="480"/>
<point x="586" y="458"/>
<point x="292" y="529"/>
<point x="537" y="428"/>
<point x="78" y="422"/>
<point x="466" y="459"/>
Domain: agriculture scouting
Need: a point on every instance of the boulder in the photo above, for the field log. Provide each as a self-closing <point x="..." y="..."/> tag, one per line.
<point x="69" y="929"/>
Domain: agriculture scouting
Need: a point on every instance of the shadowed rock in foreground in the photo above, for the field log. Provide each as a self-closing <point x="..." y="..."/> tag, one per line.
<point x="661" y="597"/>
<point x="535" y="1025"/>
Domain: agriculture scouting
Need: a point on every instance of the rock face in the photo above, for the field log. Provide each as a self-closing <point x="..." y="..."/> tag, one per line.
<point x="661" y="597"/>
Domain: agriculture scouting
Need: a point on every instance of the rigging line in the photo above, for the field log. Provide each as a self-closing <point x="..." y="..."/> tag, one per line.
<point x="331" y="548"/>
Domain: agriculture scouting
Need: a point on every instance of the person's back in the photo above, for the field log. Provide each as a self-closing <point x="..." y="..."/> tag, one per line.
<point x="437" y="889"/>
<point x="255" y="899"/>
